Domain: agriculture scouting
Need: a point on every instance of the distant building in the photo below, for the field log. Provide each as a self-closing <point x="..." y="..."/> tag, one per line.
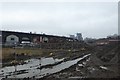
<point x="89" y="40"/>
<point x="115" y="36"/>
<point x="79" y="37"/>
<point x="72" y="36"/>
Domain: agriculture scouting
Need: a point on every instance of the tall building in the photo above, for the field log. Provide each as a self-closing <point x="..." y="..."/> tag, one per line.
<point x="79" y="37"/>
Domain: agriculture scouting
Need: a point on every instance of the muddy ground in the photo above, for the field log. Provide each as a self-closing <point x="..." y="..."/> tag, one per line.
<point x="103" y="64"/>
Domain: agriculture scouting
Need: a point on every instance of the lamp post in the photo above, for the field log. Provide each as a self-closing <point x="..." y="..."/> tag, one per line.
<point x="15" y="65"/>
<point x="40" y="64"/>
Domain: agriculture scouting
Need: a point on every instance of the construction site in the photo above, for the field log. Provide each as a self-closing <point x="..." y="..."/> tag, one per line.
<point x="46" y="57"/>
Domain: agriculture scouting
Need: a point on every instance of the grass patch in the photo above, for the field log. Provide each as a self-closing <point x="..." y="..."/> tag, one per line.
<point x="8" y="53"/>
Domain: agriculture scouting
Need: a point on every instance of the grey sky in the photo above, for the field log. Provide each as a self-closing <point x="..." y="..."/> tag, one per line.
<point x="92" y="19"/>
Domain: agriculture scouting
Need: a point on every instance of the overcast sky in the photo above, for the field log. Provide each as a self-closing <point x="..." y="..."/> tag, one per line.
<point x="92" y="19"/>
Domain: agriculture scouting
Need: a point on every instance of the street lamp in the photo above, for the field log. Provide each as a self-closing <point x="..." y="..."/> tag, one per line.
<point x="15" y="61"/>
